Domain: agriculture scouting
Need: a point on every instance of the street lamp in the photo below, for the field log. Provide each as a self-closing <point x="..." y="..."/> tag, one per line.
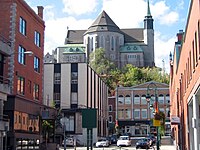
<point x="152" y="87"/>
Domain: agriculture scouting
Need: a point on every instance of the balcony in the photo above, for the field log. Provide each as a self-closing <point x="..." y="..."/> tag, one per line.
<point x="5" y="45"/>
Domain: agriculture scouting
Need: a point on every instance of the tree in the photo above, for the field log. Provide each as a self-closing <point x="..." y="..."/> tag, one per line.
<point x="100" y="63"/>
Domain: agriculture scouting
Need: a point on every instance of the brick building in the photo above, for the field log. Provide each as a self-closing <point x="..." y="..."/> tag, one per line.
<point x="132" y="111"/>
<point x="185" y="81"/>
<point x="25" y="31"/>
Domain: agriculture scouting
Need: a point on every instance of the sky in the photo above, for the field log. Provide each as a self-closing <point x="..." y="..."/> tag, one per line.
<point x="169" y="16"/>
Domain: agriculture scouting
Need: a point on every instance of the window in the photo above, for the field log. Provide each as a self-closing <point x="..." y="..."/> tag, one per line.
<point x="36" y="64"/>
<point x="110" y="108"/>
<point x="127" y="114"/>
<point x="121" y="99"/>
<point x="144" y="113"/>
<point x="137" y="113"/>
<point x="161" y="99"/>
<point x="127" y="99"/>
<point x="112" y="43"/>
<point x="22" y="26"/>
<point x="110" y="118"/>
<point x="137" y="99"/>
<point x="143" y="99"/>
<point x="120" y="113"/>
<point x="21" y="56"/>
<point x="37" y="38"/>
<point x="20" y="85"/>
<point x="36" y="91"/>
<point x="167" y="98"/>
<point x="57" y="78"/>
<point x="74" y="98"/>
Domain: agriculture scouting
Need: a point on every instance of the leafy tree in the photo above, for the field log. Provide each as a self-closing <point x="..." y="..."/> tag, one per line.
<point x="100" y="63"/>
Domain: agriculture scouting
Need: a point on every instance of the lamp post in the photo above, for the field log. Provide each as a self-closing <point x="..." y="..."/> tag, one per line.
<point x="152" y="87"/>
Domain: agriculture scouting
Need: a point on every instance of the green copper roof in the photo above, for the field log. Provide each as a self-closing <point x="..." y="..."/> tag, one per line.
<point x="73" y="48"/>
<point x="148" y="9"/>
<point x="131" y="48"/>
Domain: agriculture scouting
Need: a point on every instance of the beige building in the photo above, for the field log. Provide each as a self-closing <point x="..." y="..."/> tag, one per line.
<point x="73" y="87"/>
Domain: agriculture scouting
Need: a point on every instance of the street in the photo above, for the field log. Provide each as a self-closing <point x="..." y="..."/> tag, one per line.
<point x="163" y="147"/>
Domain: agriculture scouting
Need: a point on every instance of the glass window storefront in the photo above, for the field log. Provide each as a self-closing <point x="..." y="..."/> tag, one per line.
<point x="31" y="144"/>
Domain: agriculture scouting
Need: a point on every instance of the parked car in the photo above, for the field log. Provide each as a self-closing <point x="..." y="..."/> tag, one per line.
<point x="103" y="142"/>
<point x="113" y="139"/>
<point x="143" y="143"/>
<point x="124" y="141"/>
<point x="69" y="141"/>
<point x="153" y="139"/>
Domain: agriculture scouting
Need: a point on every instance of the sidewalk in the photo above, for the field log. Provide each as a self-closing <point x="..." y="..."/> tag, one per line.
<point x="167" y="147"/>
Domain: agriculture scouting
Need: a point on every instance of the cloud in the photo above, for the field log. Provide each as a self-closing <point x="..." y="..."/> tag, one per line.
<point x="164" y="14"/>
<point x="169" y="18"/>
<point x="79" y="7"/>
<point x="163" y="46"/>
<point x="127" y="14"/>
<point x="56" y="30"/>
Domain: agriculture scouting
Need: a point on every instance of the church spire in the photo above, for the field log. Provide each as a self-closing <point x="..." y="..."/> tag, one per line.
<point x="148" y="20"/>
<point x="148" y="9"/>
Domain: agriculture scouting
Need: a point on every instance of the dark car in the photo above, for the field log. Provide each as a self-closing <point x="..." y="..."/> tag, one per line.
<point x="113" y="139"/>
<point x="143" y="143"/>
<point x="153" y="139"/>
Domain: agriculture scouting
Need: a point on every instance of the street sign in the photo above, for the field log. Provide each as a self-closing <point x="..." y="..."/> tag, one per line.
<point x="89" y="118"/>
<point x="156" y="123"/>
<point x="175" y="120"/>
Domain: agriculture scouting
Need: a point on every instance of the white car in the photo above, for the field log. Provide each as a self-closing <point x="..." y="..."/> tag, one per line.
<point x="124" y="141"/>
<point x="103" y="142"/>
<point x="69" y="141"/>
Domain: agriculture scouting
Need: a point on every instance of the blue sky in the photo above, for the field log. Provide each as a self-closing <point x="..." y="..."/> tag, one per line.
<point x="169" y="16"/>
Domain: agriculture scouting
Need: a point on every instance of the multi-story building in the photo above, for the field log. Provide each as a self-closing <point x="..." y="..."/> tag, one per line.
<point x="122" y="46"/>
<point x="5" y="47"/>
<point x="74" y="87"/>
<point x="24" y="106"/>
<point x="185" y="81"/>
<point x="132" y="111"/>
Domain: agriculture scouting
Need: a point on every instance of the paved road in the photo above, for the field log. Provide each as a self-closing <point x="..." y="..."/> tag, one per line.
<point x="163" y="147"/>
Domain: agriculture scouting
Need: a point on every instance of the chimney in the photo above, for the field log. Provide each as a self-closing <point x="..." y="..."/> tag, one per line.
<point x="40" y="11"/>
<point x="180" y="35"/>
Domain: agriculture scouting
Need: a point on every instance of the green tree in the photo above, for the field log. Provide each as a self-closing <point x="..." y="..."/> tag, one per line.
<point x="100" y="63"/>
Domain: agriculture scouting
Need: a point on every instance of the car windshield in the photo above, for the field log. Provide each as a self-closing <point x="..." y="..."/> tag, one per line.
<point x="124" y="138"/>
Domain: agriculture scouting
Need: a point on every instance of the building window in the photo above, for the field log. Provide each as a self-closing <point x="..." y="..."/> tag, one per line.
<point x="20" y="119"/>
<point x="136" y="99"/>
<point x="74" y="98"/>
<point x="121" y="99"/>
<point x="57" y="78"/>
<point x="167" y="98"/>
<point x="143" y="99"/>
<point x="20" y="85"/>
<point x="110" y="118"/>
<point x="137" y="113"/>
<point x="112" y="43"/>
<point x="110" y="108"/>
<point x="127" y="99"/>
<point x="21" y="56"/>
<point x="144" y="113"/>
<point x="36" y="91"/>
<point x="22" y="26"/>
<point x="36" y="64"/>
<point x="37" y="38"/>
<point x="127" y="114"/>
<point x="161" y="99"/>
<point x="120" y="114"/>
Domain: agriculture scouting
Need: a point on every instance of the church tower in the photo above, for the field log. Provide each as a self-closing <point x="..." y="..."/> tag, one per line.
<point x="149" y="38"/>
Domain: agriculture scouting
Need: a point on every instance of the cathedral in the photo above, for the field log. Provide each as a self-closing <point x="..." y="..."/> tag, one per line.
<point x="122" y="46"/>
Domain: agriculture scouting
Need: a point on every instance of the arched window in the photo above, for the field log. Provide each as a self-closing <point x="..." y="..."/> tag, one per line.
<point x="136" y="99"/>
<point x="112" y="43"/>
<point x="161" y="99"/>
<point x="121" y="99"/>
<point x="167" y="99"/>
<point x="128" y="99"/>
<point x="143" y="99"/>
<point x="102" y="44"/>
